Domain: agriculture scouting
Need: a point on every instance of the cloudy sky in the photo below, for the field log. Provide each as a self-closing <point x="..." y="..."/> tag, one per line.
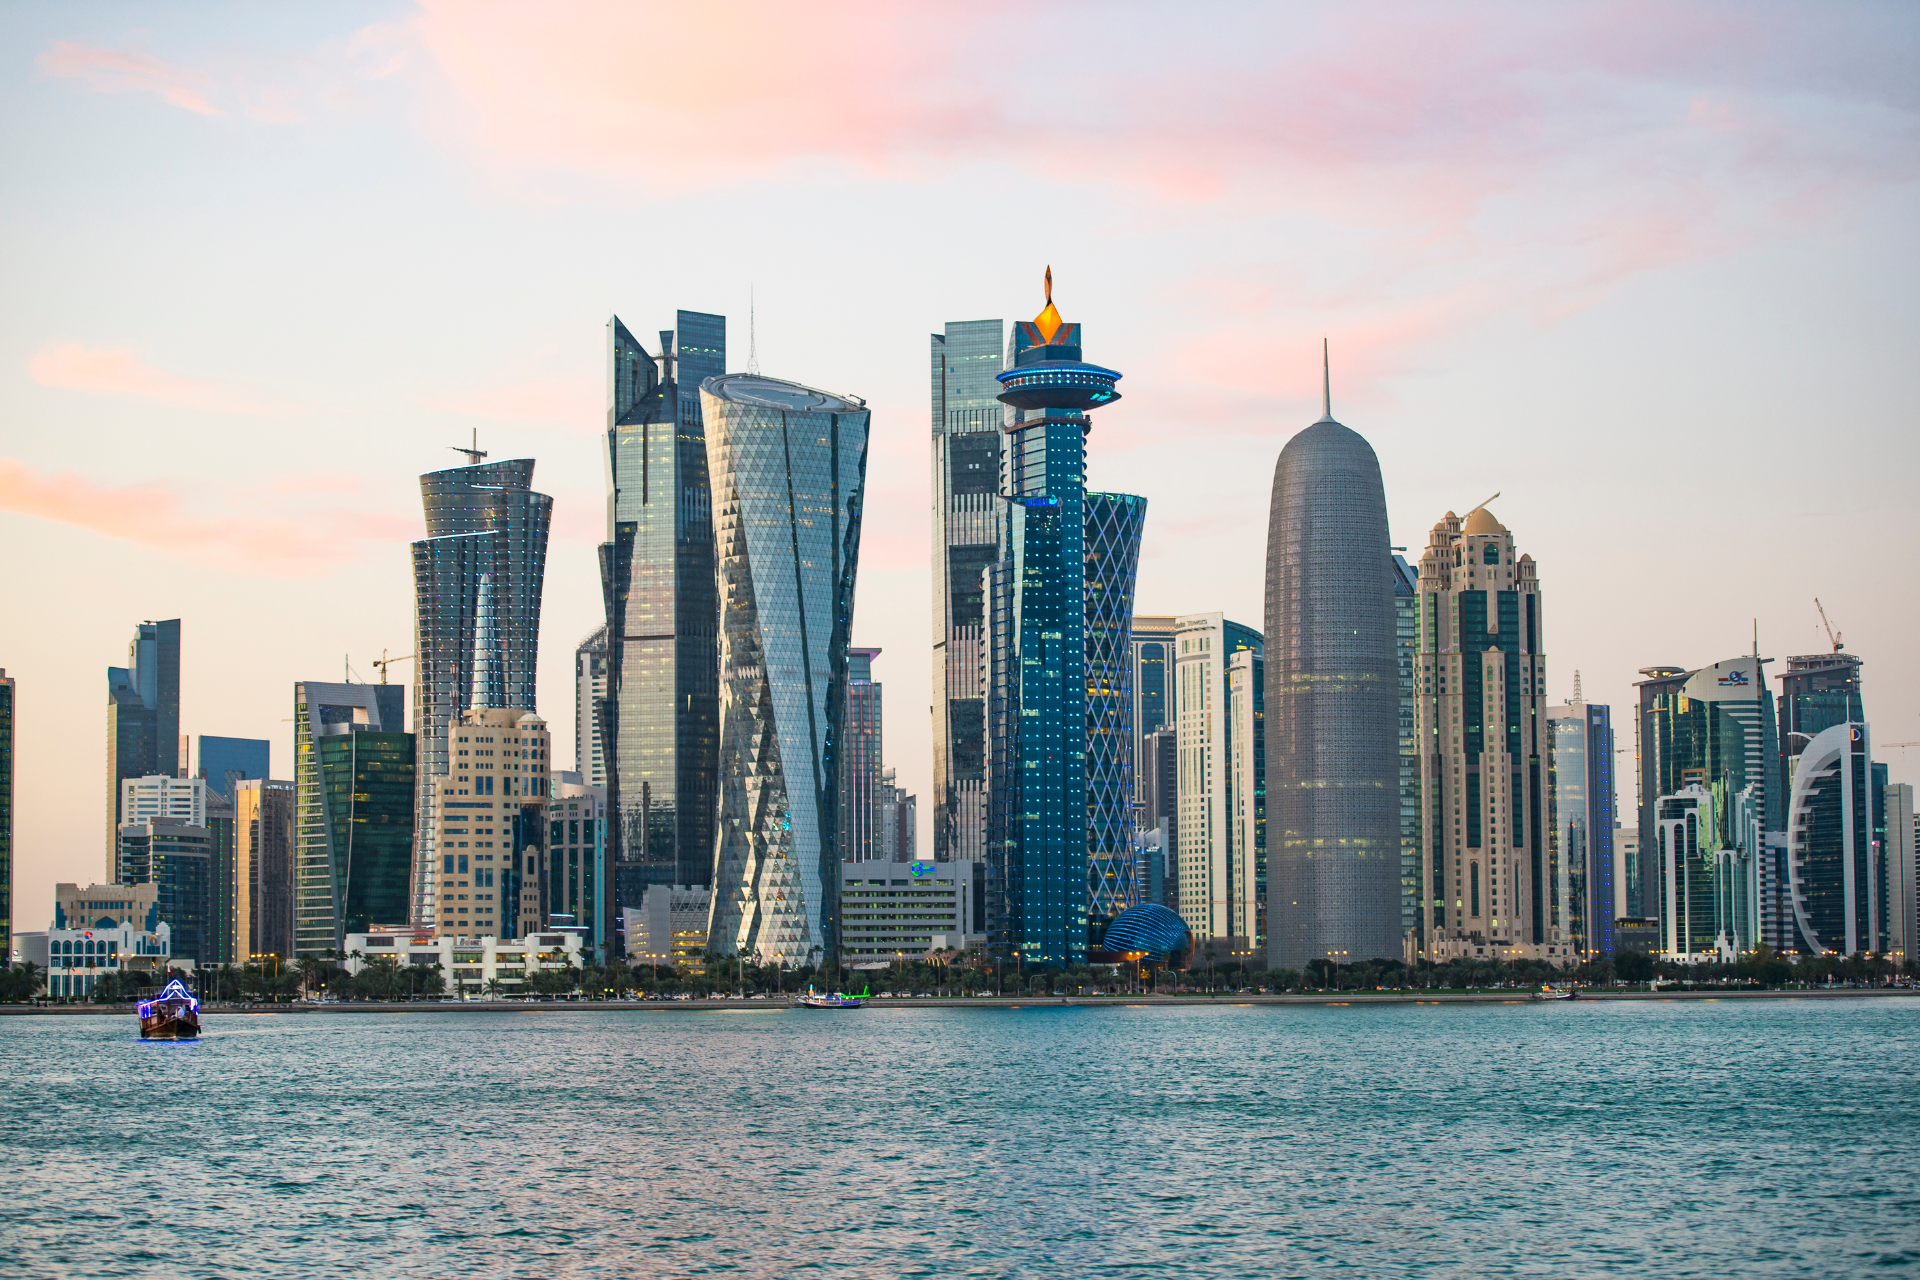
<point x="1647" y="270"/>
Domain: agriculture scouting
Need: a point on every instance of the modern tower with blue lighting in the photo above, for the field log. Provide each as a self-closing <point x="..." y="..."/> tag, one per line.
<point x="1037" y="732"/>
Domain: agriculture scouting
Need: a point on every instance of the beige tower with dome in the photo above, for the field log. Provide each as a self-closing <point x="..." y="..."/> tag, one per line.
<point x="1485" y="875"/>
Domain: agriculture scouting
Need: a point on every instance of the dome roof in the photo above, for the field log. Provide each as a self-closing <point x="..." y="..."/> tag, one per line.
<point x="1147" y="930"/>
<point x="1480" y="522"/>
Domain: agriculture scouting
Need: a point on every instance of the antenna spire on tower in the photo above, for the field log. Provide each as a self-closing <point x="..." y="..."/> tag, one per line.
<point x="475" y="453"/>
<point x="753" y="335"/>
<point x="1576" y="686"/>
<point x="1326" y="383"/>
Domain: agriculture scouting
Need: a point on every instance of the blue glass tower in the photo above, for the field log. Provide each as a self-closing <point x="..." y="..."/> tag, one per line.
<point x="1037" y="704"/>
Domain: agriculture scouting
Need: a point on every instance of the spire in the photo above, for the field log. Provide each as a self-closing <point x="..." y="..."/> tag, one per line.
<point x="753" y="336"/>
<point x="1326" y="384"/>
<point x="1576" y="686"/>
<point x="1048" y="322"/>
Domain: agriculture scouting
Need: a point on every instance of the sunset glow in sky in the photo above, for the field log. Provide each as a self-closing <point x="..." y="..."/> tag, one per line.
<point x="1647" y="270"/>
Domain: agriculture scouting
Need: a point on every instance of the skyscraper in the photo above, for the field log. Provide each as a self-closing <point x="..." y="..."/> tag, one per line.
<point x="226" y="760"/>
<point x="1246" y="798"/>
<point x="1114" y="524"/>
<point x="143" y="717"/>
<point x="177" y="857"/>
<point x="1216" y="893"/>
<point x="860" y="759"/>
<point x="1333" y="836"/>
<point x="1037" y="652"/>
<point x="1580" y="846"/>
<point x="589" y="707"/>
<point x="477" y="580"/>
<point x="1712" y="728"/>
<point x="1482" y="678"/>
<point x="1406" y="659"/>
<point x="1833" y="881"/>
<point x="789" y="471"/>
<point x="263" y="868"/>
<point x="1902" y="874"/>
<point x="661" y="725"/>
<point x="967" y="421"/>
<point x="9" y="711"/>
<point x="354" y="808"/>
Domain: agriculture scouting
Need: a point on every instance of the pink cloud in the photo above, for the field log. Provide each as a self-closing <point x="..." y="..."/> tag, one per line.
<point x="153" y="516"/>
<point x="117" y="371"/>
<point x="121" y="71"/>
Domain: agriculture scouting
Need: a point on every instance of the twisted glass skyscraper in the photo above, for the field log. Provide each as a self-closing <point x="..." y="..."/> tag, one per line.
<point x="659" y="718"/>
<point x="485" y="553"/>
<point x="789" y="469"/>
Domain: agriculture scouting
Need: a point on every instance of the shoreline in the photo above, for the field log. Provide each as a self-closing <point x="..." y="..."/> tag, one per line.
<point x="1330" y="998"/>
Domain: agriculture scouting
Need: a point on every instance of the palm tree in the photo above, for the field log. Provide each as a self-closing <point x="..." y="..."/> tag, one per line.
<point x="494" y="987"/>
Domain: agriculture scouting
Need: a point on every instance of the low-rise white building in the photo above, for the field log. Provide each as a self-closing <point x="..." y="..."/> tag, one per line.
<point x="467" y="962"/>
<point x="902" y="910"/>
<point x="100" y="929"/>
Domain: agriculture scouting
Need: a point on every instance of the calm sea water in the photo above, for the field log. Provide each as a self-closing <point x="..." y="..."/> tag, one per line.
<point x="1674" y="1139"/>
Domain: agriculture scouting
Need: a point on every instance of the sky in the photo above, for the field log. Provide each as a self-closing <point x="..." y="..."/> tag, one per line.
<point x="1648" y="271"/>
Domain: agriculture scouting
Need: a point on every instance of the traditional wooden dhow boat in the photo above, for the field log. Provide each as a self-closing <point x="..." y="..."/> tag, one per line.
<point x="821" y="1000"/>
<point x="172" y="1015"/>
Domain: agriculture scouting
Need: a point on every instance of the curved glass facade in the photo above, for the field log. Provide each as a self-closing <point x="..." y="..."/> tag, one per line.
<point x="1114" y="525"/>
<point x="1147" y="930"/>
<point x="1332" y="706"/>
<point x="788" y="467"/>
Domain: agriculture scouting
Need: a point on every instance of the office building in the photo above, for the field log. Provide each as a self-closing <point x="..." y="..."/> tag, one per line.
<point x="177" y="859"/>
<point x="1157" y="793"/>
<point x="1714" y="728"/>
<point x="967" y="417"/>
<point x="1833" y="897"/>
<point x="669" y="927"/>
<point x="1582" y="823"/>
<point x="661" y="724"/>
<point x="163" y="796"/>
<point x="1215" y="891"/>
<point x="223" y="761"/>
<point x="1483" y="730"/>
<point x="1406" y="661"/>
<point x="1114" y="524"/>
<point x="478" y="577"/>
<point x="472" y="968"/>
<point x="860" y="756"/>
<point x="789" y="469"/>
<point x="1332" y="706"/>
<point x="102" y="929"/>
<point x="904" y="910"/>
<point x="589" y="705"/>
<point x="1246" y="799"/>
<point x="491" y="825"/>
<point x="354" y="807"/>
<point x="1036" y="648"/>
<point x="263" y="868"/>
<point x="222" y="847"/>
<point x="895" y="829"/>
<point x="1898" y="854"/>
<point x="143" y="717"/>
<point x="1626" y="865"/>
<point x="9" y="711"/>
<point x="578" y="885"/>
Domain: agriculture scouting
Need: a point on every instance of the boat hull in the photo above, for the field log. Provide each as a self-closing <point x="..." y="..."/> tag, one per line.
<point x="160" y="1026"/>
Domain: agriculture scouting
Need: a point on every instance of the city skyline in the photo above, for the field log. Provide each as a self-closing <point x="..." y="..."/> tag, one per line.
<point x="1694" y="339"/>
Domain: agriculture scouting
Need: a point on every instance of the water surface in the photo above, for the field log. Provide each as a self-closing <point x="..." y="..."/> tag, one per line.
<point x="1705" y="1139"/>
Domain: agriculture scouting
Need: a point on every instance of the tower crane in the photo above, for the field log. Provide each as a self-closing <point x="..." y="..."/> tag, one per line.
<point x="383" y="662"/>
<point x="1832" y="635"/>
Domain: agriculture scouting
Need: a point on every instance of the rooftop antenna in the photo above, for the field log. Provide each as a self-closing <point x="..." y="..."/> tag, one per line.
<point x="753" y="336"/>
<point x="1576" y="686"/>
<point x="1326" y="383"/>
<point x="475" y="453"/>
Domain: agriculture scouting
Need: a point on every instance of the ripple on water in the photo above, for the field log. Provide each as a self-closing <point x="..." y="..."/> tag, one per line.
<point x="1773" y="1138"/>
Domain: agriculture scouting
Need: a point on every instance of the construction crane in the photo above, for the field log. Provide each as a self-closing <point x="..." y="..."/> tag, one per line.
<point x="383" y="662"/>
<point x="1832" y="635"/>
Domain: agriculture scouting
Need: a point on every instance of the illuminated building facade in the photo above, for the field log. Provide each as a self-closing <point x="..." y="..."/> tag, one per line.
<point x="1114" y="524"/>
<point x="1037" y="649"/>
<point x="789" y="470"/>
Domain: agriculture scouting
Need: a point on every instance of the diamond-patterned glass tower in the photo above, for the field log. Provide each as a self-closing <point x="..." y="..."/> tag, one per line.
<point x="788" y="467"/>
<point x="1114" y="522"/>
